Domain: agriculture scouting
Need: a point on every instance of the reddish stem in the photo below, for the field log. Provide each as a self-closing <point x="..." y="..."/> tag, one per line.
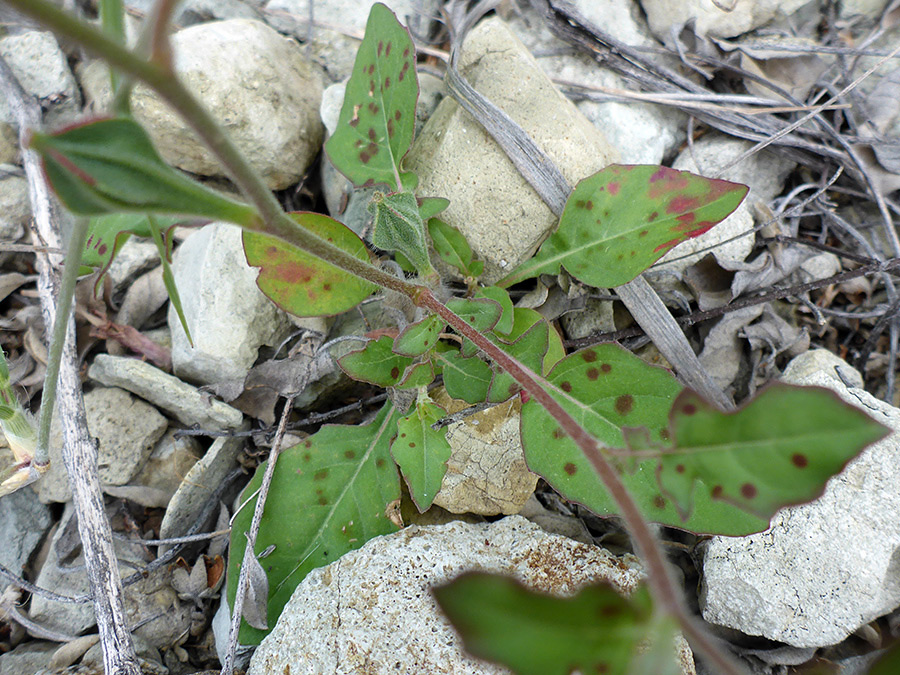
<point x="658" y="576"/>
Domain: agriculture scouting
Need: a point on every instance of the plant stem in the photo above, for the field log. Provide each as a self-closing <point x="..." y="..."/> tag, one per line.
<point x="54" y="354"/>
<point x="658" y="576"/>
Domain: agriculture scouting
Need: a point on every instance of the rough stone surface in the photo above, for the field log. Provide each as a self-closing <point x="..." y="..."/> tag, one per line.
<point x="15" y="209"/>
<point x="486" y="474"/>
<point x="371" y="611"/>
<point x="126" y="429"/>
<point x="228" y="316"/>
<point x="181" y="400"/>
<point x="134" y="258"/>
<point x="596" y="317"/>
<point x="502" y="217"/>
<point x="9" y="144"/>
<point x="199" y="483"/>
<point x="29" y="657"/>
<point x="822" y="569"/>
<point x="712" y="18"/>
<point x="267" y="100"/>
<point x="641" y="132"/>
<point x="168" y="464"/>
<point x="43" y="71"/>
<point x="333" y="51"/>
<point x="763" y="172"/>
<point x="23" y="522"/>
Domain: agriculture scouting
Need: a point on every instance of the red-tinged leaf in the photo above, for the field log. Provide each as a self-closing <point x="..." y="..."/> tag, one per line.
<point x="422" y="452"/>
<point x="377" y="120"/>
<point x="110" y="166"/>
<point x="594" y="631"/>
<point x="779" y="449"/>
<point x="622" y="219"/>
<point x="607" y="389"/>
<point x="300" y="283"/>
<point x="418" y="338"/>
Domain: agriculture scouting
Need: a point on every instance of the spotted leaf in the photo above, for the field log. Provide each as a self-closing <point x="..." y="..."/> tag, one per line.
<point x="419" y="337"/>
<point x="607" y="389"/>
<point x="532" y="633"/>
<point x="300" y="283"/>
<point x="778" y="449"/>
<point x="622" y="219"/>
<point x="377" y="120"/>
<point x="329" y="495"/>
<point x="376" y="363"/>
<point x="422" y="452"/>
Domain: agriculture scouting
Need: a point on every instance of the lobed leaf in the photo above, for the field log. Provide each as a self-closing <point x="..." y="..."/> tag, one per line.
<point x="595" y="631"/>
<point x="110" y="166"/>
<point x="619" y="221"/>
<point x="329" y="495"/>
<point x="377" y="120"/>
<point x="422" y="452"/>
<point x="299" y="282"/>
<point x="778" y="449"/>
<point x="606" y="389"/>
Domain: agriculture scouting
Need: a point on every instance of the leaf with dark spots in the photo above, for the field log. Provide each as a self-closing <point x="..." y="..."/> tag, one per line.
<point x="778" y="449"/>
<point x="643" y="212"/>
<point x="300" y="283"/>
<point x="328" y="496"/>
<point x="422" y="452"/>
<point x="419" y="337"/>
<point x="378" y="105"/>
<point x="376" y="363"/>
<point x="532" y="633"/>
<point x="593" y="403"/>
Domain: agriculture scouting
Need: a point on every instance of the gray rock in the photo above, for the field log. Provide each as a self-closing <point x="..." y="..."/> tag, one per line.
<point x="15" y="208"/>
<point x="28" y="657"/>
<point x="331" y="49"/>
<point x="184" y="402"/>
<point x="126" y="429"/>
<point x="486" y="472"/>
<point x="714" y="19"/>
<point x="151" y="601"/>
<point x="763" y="172"/>
<point x="43" y="71"/>
<point x="23" y="522"/>
<point x="9" y="144"/>
<point x="267" y="100"/>
<point x="596" y="317"/>
<point x="199" y="483"/>
<point x="490" y="202"/>
<point x="162" y="475"/>
<point x="641" y="132"/>
<point x="135" y="257"/>
<point x="228" y="316"/>
<point x="372" y="610"/>
<point x="822" y="569"/>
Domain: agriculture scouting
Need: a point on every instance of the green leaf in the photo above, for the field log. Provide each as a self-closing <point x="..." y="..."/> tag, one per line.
<point x="417" y="375"/>
<point x="523" y="319"/>
<point x="622" y="219"/>
<point x="778" y="449"/>
<point x="422" y="452"/>
<point x="328" y="496"/>
<point x="376" y="363"/>
<point x="466" y="378"/>
<point x="300" y="283"/>
<point x="377" y="120"/>
<point x="595" y="631"/>
<point x="164" y="250"/>
<point x="529" y="349"/>
<point x="482" y="314"/>
<point x="111" y="166"/>
<point x="452" y="247"/>
<point x="399" y="227"/>
<point x="431" y="206"/>
<point x="607" y="388"/>
<point x="418" y="338"/>
<point x="501" y="297"/>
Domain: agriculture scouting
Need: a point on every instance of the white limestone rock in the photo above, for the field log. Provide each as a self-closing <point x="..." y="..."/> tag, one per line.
<point x="822" y="569"/>
<point x="502" y="217"/>
<point x="228" y="316"/>
<point x="258" y="85"/>
<point x="716" y="19"/>
<point x="371" y="611"/>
